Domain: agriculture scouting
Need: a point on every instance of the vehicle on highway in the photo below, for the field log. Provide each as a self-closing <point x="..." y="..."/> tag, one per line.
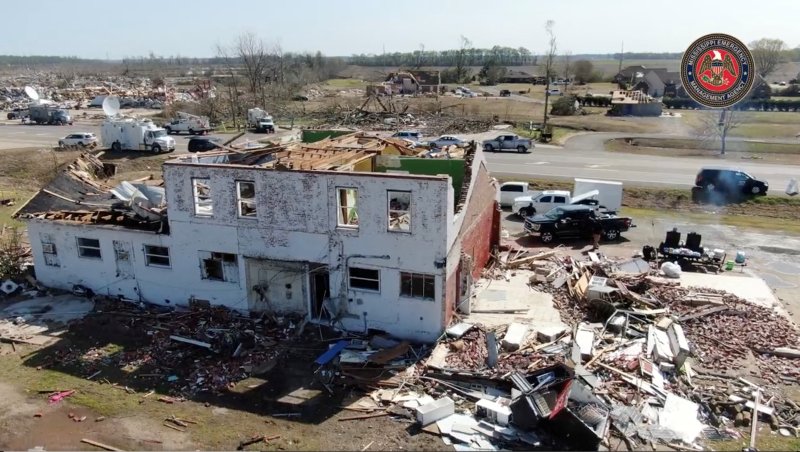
<point x="505" y="93"/>
<point x="526" y="206"/>
<point x="729" y="181"/>
<point x="509" y="191"/>
<point x="83" y="139"/>
<point x="411" y="135"/>
<point x="575" y="221"/>
<point x="508" y="142"/>
<point x="191" y="124"/>
<point x="203" y="144"/>
<point x="446" y="140"/>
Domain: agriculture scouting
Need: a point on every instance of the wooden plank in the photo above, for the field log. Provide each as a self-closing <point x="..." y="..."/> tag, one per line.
<point x="99" y="444"/>
<point x="366" y="416"/>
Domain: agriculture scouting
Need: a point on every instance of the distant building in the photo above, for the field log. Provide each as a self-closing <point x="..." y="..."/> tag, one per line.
<point x="512" y="76"/>
<point x="634" y="103"/>
<point x="412" y="82"/>
<point x="653" y="81"/>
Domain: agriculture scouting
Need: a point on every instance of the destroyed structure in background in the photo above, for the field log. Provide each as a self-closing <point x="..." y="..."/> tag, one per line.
<point x="353" y="231"/>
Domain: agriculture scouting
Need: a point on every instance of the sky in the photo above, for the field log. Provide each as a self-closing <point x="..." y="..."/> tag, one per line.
<point x="115" y="29"/>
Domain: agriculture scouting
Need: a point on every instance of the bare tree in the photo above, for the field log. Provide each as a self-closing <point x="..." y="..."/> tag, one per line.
<point x="767" y="53"/>
<point x="462" y="55"/>
<point x="548" y="66"/>
<point x="231" y="82"/>
<point x="715" y="126"/>
<point x="253" y="56"/>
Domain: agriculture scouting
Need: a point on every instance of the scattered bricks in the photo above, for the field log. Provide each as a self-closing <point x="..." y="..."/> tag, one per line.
<point x="438" y="409"/>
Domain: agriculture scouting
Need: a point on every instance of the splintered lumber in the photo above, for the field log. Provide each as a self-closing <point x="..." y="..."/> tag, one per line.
<point x="99" y="444"/>
<point x="517" y="262"/>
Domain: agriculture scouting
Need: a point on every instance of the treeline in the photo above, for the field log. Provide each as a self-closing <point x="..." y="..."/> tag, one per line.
<point x="506" y="56"/>
<point x="19" y="60"/>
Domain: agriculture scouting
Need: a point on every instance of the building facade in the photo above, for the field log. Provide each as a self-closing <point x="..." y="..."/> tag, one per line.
<point x="347" y="246"/>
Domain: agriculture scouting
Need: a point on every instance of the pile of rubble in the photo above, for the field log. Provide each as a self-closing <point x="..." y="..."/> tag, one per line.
<point x="640" y="363"/>
<point x="204" y="349"/>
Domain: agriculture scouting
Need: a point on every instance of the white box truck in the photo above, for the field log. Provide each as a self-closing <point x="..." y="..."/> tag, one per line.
<point x="609" y="192"/>
<point x="191" y="124"/>
<point x="118" y="133"/>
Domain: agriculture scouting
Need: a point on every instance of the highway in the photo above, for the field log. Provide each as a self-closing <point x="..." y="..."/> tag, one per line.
<point x="584" y="156"/>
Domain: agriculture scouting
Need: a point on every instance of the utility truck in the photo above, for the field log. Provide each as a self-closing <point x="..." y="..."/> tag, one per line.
<point x="129" y="133"/>
<point x="48" y="114"/>
<point x="188" y="123"/>
<point x="260" y="120"/>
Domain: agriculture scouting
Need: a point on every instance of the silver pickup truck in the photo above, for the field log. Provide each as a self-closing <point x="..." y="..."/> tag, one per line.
<point x="508" y="142"/>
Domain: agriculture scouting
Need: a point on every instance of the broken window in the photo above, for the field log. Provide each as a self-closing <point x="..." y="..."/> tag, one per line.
<point x="399" y="211"/>
<point x="156" y="256"/>
<point x="89" y="248"/>
<point x="246" y="198"/>
<point x="219" y="266"/>
<point x="417" y="285"/>
<point x="203" y="204"/>
<point x="50" y="254"/>
<point x="365" y="278"/>
<point x="346" y="203"/>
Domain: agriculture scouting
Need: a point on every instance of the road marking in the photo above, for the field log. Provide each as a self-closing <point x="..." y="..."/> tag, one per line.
<point x="537" y="163"/>
<point x="40" y="134"/>
<point x="597" y="166"/>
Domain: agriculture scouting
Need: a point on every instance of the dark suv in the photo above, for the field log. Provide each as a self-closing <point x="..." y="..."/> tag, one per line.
<point x="730" y="181"/>
<point x="203" y="144"/>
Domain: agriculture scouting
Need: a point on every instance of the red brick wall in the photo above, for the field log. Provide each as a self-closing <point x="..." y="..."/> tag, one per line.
<point x="481" y="227"/>
<point x="479" y="232"/>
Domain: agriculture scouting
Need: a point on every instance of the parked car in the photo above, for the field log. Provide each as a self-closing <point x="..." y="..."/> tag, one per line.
<point x="504" y="142"/>
<point x="575" y="222"/>
<point x="509" y="191"/>
<point x="555" y="92"/>
<point x="411" y="135"/>
<point x="505" y="93"/>
<point x="526" y="206"/>
<point x="203" y="144"/>
<point x="446" y="140"/>
<point x="729" y="181"/>
<point x="83" y="139"/>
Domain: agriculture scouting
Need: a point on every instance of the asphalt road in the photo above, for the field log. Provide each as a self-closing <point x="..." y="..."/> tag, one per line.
<point x="584" y="156"/>
<point x="14" y="135"/>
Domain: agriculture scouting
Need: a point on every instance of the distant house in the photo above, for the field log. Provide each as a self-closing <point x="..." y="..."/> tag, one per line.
<point x="414" y="82"/>
<point x="660" y="79"/>
<point x="513" y="76"/>
<point x="628" y="74"/>
<point x="653" y="81"/>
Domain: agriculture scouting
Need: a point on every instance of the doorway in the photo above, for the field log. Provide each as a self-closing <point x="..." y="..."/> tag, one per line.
<point x="320" y="291"/>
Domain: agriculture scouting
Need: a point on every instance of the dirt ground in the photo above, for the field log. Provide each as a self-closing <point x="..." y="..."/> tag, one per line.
<point x="122" y="408"/>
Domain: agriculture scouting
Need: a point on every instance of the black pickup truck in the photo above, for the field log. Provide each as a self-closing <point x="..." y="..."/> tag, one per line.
<point x="575" y="221"/>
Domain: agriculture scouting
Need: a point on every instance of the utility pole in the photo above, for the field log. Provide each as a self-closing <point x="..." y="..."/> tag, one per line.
<point x="621" y="53"/>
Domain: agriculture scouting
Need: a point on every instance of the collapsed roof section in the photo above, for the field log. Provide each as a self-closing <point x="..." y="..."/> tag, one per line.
<point x="80" y="193"/>
<point x="353" y="152"/>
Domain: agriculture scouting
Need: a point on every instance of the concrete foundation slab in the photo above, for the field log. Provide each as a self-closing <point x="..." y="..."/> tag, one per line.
<point x="753" y="289"/>
<point x="535" y="309"/>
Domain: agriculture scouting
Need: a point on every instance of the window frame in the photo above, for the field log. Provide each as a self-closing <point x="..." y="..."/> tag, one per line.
<point x="226" y="262"/>
<point x="422" y="281"/>
<point x="350" y="209"/>
<point x="408" y="210"/>
<point x="366" y="289"/>
<point x="196" y="197"/>
<point x="148" y="254"/>
<point x="240" y="201"/>
<point x="81" y="247"/>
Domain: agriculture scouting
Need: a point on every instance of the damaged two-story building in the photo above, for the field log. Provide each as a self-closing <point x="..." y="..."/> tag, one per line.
<point x="355" y="232"/>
